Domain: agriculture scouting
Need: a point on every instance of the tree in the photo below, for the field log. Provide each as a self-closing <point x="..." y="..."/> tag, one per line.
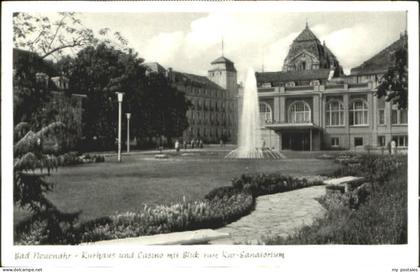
<point x="54" y="38"/>
<point x="31" y="88"/>
<point x="157" y="108"/>
<point x="394" y="84"/>
<point x="30" y="187"/>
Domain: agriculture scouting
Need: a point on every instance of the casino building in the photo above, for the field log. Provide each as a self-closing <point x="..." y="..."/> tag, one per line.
<point x="214" y="114"/>
<point x="312" y="105"/>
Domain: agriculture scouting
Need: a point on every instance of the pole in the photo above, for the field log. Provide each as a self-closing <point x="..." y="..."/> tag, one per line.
<point x="128" y="132"/>
<point x="120" y="98"/>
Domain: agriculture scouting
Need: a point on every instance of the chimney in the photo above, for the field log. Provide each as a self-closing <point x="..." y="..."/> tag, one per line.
<point x="169" y="74"/>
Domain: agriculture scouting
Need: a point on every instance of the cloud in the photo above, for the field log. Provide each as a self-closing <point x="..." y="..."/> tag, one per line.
<point x="254" y="39"/>
<point x="164" y="47"/>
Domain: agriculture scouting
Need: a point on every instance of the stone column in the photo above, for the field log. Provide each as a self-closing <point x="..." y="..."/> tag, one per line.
<point x="276" y="109"/>
<point x="282" y="109"/>
<point x="315" y="110"/>
<point x="346" y="100"/>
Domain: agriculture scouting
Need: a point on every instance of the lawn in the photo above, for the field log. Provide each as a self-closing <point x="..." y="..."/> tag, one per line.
<point x="105" y="188"/>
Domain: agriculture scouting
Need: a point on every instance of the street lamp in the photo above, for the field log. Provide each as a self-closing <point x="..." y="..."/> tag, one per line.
<point x="128" y="131"/>
<point x="120" y="99"/>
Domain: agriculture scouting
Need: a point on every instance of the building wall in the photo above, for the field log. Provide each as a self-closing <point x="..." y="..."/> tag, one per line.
<point x="345" y="134"/>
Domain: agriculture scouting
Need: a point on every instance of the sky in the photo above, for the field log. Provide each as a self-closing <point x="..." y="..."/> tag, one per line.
<point x="188" y="42"/>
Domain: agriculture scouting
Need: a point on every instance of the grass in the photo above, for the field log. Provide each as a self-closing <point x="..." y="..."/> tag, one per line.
<point x="106" y="188"/>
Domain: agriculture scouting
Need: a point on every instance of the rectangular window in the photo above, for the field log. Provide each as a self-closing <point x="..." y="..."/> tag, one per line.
<point x="394" y="117"/>
<point x="381" y="140"/>
<point x="401" y="140"/>
<point x="403" y="117"/>
<point x="399" y="117"/>
<point x="335" y="141"/>
<point x="358" y="141"/>
<point x="381" y="117"/>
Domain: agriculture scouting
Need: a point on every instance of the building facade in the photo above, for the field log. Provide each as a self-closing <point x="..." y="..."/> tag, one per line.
<point x="213" y="114"/>
<point x="312" y="105"/>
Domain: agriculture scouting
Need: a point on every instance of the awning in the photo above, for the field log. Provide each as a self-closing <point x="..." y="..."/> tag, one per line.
<point x="290" y="126"/>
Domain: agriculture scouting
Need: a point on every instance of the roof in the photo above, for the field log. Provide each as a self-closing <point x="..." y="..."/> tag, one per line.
<point x="154" y="67"/>
<point x="202" y="81"/>
<point x="292" y="75"/>
<point x="381" y="61"/>
<point x="223" y="60"/>
<point x="306" y="35"/>
<point x="307" y="41"/>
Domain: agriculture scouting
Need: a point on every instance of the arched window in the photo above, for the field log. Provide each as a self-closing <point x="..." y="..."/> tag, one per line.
<point x="299" y="112"/>
<point x="358" y="112"/>
<point x="266" y="115"/>
<point x="334" y="113"/>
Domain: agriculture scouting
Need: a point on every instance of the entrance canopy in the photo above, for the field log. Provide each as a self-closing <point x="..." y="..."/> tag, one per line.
<point x="291" y="126"/>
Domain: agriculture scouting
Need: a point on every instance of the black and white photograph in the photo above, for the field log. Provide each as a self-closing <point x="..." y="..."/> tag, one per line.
<point x="210" y="135"/>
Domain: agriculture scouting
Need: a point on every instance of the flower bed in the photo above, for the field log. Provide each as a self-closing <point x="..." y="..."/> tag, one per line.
<point x="263" y="184"/>
<point x="72" y="158"/>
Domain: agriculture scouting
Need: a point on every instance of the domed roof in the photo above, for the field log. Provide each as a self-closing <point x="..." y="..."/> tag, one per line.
<point x="306" y="41"/>
<point x="306" y="35"/>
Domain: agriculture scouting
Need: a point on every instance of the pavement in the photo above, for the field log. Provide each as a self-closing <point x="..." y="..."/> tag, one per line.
<point x="278" y="214"/>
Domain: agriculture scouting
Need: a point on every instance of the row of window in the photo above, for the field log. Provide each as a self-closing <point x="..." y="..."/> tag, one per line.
<point x="400" y="140"/>
<point x="292" y="84"/>
<point x="206" y="132"/>
<point x="207" y="92"/>
<point x="210" y="105"/>
<point x="300" y="112"/>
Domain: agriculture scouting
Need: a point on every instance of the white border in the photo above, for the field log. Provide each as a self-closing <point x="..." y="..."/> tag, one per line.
<point x="297" y="258"/>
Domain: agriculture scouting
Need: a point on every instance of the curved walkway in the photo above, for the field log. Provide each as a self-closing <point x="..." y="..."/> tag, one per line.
<point x="276" y="214"/>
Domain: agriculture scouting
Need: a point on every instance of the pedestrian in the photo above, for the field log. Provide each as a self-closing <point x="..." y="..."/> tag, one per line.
<point x="201" y="143"/>
<point x="393" y="147"/>
<point x="177" y="146"/>
<point x="185" y="144"/>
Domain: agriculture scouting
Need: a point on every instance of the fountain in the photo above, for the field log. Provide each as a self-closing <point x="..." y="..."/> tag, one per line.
<point x="250" y="144"/>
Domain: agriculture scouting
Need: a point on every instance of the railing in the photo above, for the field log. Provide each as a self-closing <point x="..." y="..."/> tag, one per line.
<point x="300" y="88"/>
<point x="359" y="85"/>
<point x="335" y="86"/>
<point x="265" y="89"/>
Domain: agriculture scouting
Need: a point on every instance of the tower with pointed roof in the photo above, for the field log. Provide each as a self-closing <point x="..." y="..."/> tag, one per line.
<point x="307" y="53"/>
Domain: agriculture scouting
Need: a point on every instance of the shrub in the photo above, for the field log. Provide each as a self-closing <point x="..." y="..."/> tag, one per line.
<point x="221" y="192"/>
<point x="364" y="216"/>
<point x="151" y="220"/>
<point x="372" y="166"/>
<point x="263" y="184"/>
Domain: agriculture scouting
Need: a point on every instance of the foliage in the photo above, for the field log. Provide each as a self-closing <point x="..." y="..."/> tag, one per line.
<point x="58" y="34"/>
<point x="374" y="167"/>
<point x="30" y="91"/>
<point x="263" y="184"/>
<point x="30" y="187"/>
<point x="151" y="220"/>
<point x="379" y="218"/>
<point x="394" y="84"/>
<point x="156" y="107"/>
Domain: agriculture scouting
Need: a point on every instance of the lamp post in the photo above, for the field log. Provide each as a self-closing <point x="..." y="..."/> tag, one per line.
<point x="128" y="131"/>
<point x="120" y="99"/>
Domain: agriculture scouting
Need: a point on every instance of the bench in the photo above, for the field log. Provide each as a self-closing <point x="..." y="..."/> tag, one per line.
<point x="202" y="236"/>
<point x="347" y="183"/>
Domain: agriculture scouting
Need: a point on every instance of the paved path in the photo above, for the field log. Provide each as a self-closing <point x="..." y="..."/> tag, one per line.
<point x="277" y="214"/>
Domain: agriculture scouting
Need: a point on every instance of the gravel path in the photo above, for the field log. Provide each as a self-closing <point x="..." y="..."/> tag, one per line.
<point x="276" y="214"/>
